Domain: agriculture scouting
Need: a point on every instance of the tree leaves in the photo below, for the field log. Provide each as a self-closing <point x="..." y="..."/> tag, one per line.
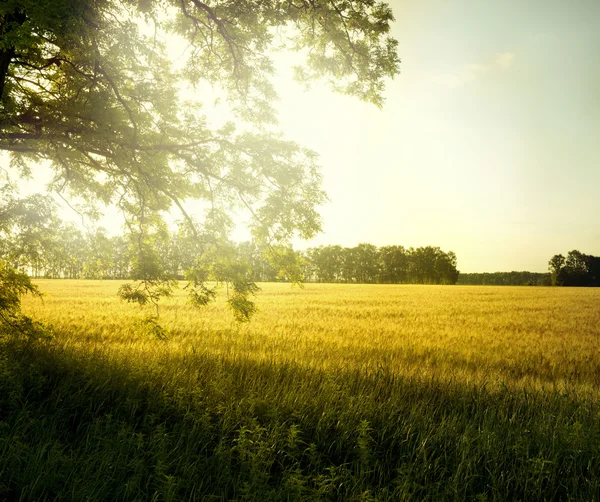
<point x="13" y="323"/>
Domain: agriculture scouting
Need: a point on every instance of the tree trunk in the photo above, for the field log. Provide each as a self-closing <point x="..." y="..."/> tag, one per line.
<point x="7" y="54"/>
<point x="5" y="59"/>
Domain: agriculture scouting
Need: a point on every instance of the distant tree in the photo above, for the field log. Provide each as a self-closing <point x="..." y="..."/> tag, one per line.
<point x="366" y="262"/>
<point x="445" y="268"/>
<point x="120" y="258"/>
<point x="99" y="263"/>
<point x="513" y="278"/>
<point x="394" y="264"/>
<point x="577" y="269"/>
<point x="556" y="264"/>
<point x="261" y="269"/>
<point x="349" y="271"/>
<point x="68" y="254"/>
<point x="28" y="229"/>
<point x="326" y="263"/>
<point x="423" y="262"/>
<point x="593" y="270"/>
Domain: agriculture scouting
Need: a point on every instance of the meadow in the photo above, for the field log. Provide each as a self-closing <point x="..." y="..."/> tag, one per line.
<point x="332" y="392"/>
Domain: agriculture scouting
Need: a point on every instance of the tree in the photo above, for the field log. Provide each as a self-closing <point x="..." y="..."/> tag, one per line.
<point x="87" y="86"/>
<point x="27" y="229"/>
<point x="366" y="259"/>
<point x="577" y="269"/>
<point x="514" y="278"/>
<point x="423" y="264"/>
<point x="100" y="256"/>
<point x="68" y="255"/>
<point x="262" y="270"/>
<point x="13" y="285"/>
<point x="445" y="268"/>
<point x="327" y="263"/>
<point x="555" y="265"/>
<point x="366" y="264"/>
<point x="593" y="270"/>
<point x="394" y="264"/>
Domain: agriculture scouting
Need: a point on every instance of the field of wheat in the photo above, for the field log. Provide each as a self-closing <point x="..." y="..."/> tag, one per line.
<point x="332" y="392"/>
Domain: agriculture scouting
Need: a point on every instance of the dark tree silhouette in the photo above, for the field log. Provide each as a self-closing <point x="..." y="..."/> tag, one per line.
<point x="577" y="269"/>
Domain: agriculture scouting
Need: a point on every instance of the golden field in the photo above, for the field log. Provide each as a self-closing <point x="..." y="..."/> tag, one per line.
<point x="482" y="335"/>
<point x="331" y="393"/>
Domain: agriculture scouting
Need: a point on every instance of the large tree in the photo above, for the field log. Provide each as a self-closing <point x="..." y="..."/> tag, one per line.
<point x="87" y="86"/>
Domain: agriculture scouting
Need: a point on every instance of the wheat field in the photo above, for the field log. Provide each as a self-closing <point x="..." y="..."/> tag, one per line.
<point x="332" y="392"/>
<point x="517" y="336"/>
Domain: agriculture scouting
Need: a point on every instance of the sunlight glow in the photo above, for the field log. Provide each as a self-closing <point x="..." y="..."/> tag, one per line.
<point x="470" y="152"/>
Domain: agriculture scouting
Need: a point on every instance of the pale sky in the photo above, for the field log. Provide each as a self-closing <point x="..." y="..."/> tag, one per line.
<point x="488" y="143"/>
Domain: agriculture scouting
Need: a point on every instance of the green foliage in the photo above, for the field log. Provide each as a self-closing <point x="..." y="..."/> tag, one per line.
<point x="147" y="291"/>
<point x="243" y="308"/>
<point x="13" y="323"/>
<point x="225" y="267"/>
<point x="151" y="326"/>
<point x="200" y="294"/>
<point x="287" y="263"/>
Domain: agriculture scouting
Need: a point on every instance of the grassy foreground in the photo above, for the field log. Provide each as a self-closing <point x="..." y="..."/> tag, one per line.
<point x="333" y="392"/>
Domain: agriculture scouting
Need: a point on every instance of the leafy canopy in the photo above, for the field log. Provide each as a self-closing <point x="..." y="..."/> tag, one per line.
<point x="87" y="86"/>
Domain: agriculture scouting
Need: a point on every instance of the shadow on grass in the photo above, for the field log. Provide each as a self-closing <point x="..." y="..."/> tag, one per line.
<point x="196" y="427"/>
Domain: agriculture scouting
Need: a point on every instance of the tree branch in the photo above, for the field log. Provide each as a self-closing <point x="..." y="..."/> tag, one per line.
<point x="222" y="30"/>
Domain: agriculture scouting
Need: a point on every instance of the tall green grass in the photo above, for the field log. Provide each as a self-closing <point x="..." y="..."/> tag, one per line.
<point x="334" y="393"/>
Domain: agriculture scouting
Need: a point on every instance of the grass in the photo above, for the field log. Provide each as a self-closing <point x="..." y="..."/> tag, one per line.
<point x="333" y="392"/>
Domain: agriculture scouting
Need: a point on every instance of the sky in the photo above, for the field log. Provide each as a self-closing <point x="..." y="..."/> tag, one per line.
<point x="488" y="143"/>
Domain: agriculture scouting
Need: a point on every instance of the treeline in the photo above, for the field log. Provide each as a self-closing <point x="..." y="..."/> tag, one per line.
<point x="576" y="269"/>
<point x="368" y="264"/>
<point x="34" y="240"/>
<point x="64" y="251"/>
<point x="506" y="278"/>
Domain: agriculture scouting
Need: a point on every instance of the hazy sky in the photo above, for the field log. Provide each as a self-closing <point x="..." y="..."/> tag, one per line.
<point x="488" y="144"/>
<point x="489" y="141"/>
